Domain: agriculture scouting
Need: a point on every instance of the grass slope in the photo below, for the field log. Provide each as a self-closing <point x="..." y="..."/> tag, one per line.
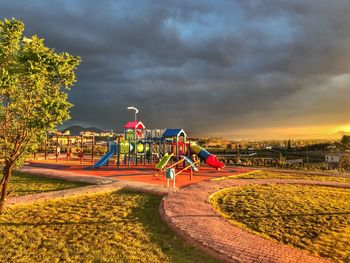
<point x="313" y="218"/>
<point x="113" y="227"/>
<point x="23" y="184"/>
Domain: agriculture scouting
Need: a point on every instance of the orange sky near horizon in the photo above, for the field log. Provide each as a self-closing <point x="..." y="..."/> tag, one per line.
<point x="293" y="132"/>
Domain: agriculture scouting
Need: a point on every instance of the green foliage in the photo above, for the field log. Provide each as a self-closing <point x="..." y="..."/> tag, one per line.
<point x="23" y="184"/>
<point x="314" y="218"/>
<point x="33" y="84"/>
<point x="345" y="141"/>
<point x="112" y="227"/>
<point x="345" y="162"/>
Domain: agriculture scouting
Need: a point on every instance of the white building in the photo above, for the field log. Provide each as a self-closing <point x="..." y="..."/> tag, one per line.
<point x="333" y="157"/>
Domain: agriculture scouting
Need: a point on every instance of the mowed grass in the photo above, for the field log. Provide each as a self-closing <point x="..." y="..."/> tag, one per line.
<point x="259" y="174"/>
<point x="314" y="218"/>
<point x="112" y="227"/>
<point x="23" y="184"/>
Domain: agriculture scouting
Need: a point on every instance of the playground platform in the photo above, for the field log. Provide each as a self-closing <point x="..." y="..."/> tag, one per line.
<point x="139" y="173"/>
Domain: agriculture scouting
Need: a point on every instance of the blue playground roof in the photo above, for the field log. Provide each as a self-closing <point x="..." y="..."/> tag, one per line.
<point x="168" y="133"/>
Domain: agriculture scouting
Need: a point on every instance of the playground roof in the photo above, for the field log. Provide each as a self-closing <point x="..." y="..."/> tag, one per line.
<point x="168" y="133"/>
<point x="134" y="125"/>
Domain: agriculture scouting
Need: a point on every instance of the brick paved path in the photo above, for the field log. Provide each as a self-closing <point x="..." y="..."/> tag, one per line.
<point x="101" y="185"/>
<point x="69" y="176"/>
<point x="190" y="214"/>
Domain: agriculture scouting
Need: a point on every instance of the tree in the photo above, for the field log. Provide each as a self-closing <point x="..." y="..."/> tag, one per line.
<point x="345" y="162"/>
<point x="345" y="141"/>
<point x="33" y="99"/>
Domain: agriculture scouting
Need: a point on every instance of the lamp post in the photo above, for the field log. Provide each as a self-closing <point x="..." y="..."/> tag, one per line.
<point x="136" y="111"/>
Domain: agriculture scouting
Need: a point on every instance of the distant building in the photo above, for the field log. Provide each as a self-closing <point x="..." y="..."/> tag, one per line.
<point x="333" y="157"/>
<point x="88" y="133"/>
<point x="106" y="134"/>
<point x="97" y="134"/>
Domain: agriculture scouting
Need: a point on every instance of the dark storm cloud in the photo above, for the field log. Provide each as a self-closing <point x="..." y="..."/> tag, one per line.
<point x="206" y="66"/>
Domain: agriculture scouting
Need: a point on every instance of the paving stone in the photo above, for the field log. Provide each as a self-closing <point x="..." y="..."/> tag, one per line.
<point x="101" y="184"/>
<point x="189" y="213"/>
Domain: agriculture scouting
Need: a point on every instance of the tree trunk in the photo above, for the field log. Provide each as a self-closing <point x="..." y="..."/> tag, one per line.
<point x="7" y="172"/>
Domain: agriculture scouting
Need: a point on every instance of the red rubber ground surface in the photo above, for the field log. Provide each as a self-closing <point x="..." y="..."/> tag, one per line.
<point x="140" y="173"/>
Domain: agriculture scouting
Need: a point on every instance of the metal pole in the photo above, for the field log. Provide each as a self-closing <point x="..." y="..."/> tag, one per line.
<point x="151" y="152"/>
<point x="136" y="111"/>
<point x="107" y="151"/>
<point x="129" y="153"/>
<point x="46" y="142"/>
<point x="185" y="146"/>
<point x="118" y="151"/>
<point x="177" y="150"/>
<point x="159" y="150"/>
<point x="135" y="150"/>
<point x="68" y="148"/>
<point x="56" y="147"/>
<point x="92" y="148"/>
<point x="81" y="149"/>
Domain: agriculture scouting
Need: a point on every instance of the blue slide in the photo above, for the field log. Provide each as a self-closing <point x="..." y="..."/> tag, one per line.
<point x="189" y="161"/>
<point x="106" y="157"/>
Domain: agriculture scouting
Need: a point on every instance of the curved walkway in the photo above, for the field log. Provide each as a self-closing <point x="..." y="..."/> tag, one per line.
<point x="99" y="184"/>
<point x="189" y="213"/>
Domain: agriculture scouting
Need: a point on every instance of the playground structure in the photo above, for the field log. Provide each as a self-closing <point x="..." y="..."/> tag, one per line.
<point x="137" y="154"/>
<point x="135" y="147"/>
<point x="150" y="155"/>
<point x="171" y="173"/>
<point x="82" y="147"/>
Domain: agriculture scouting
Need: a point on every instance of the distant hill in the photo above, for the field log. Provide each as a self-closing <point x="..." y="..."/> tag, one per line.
<point x="340" y="134"/>
<point x="76" y="129"/>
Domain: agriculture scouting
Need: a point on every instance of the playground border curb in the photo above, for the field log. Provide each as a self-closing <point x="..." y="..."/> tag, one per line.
<point x="64" y="175"/>
<point x="61" y="194"/>
<point x="98" y="185"/>
<point x="208" y="231"/>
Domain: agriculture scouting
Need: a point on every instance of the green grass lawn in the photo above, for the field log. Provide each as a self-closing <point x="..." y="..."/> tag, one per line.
<point x="122" y="226"/>
<point x="314" y="218"/>
<point x="23" y="184"/>
<point x="259" y="174"/>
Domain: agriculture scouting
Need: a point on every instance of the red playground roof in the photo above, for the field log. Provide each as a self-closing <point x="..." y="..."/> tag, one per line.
<point x="134" y="125"/>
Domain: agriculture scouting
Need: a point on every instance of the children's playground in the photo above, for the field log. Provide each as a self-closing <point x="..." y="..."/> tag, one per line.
<point x="168" y="158"/>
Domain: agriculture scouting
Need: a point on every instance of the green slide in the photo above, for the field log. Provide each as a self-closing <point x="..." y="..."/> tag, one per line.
<point x="162" y="163"/>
